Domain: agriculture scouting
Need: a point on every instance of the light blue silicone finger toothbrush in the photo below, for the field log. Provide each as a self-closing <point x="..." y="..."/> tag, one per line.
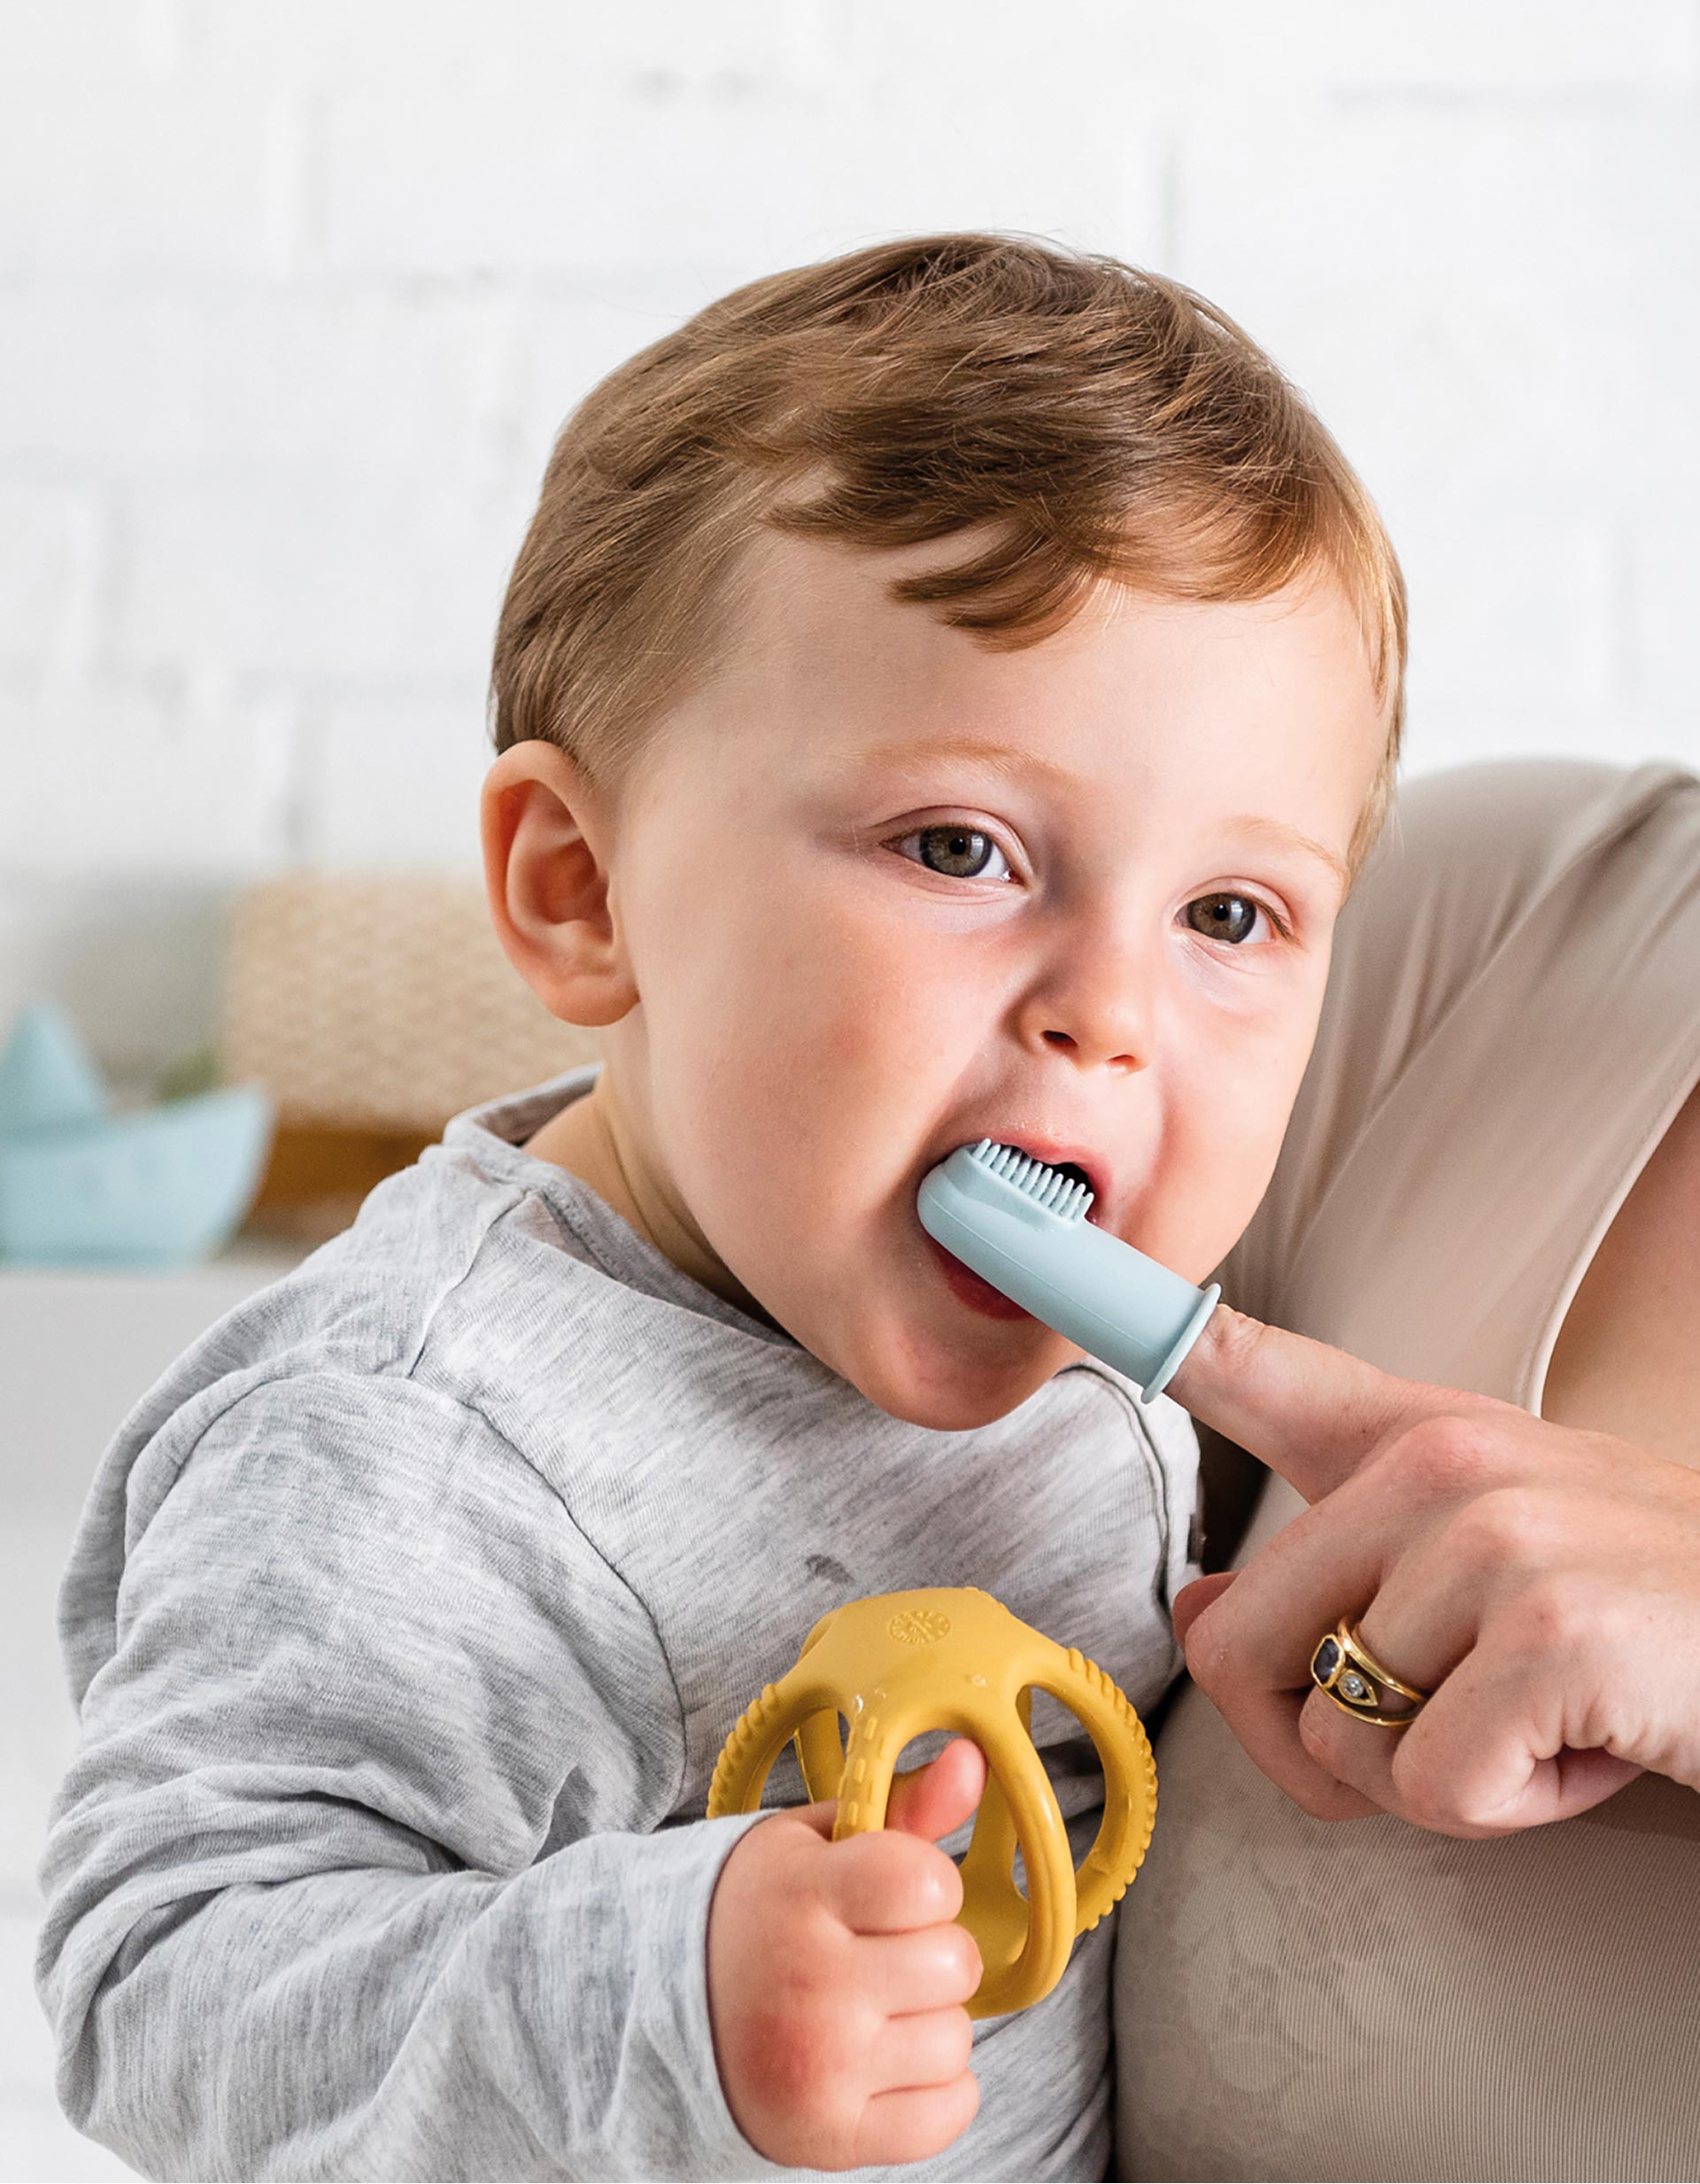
<point x="1021" y="1226"/>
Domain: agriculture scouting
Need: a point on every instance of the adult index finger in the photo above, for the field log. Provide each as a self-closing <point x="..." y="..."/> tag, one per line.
<point x="1312" y="1413"/>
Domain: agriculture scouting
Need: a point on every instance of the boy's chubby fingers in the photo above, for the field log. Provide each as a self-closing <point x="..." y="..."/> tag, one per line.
<point x="886" y="1883"/>
<point x="1310" y="1412"/>
<point x="915" y="2122"/>
<point x="935" y="1800"/>
<point x="893" y="1879"/>
<point x="822" y="1816"/>
<point x="926" y="2047"/>
<point x="936" y="1967"/>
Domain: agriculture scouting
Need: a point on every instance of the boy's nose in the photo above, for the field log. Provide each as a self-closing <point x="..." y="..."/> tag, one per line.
<point x="1128" y="1061"/>
<point x="1095" y="1006"/>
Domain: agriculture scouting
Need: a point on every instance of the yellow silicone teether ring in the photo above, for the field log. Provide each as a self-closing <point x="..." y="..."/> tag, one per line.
<point x="952" y="1658"/>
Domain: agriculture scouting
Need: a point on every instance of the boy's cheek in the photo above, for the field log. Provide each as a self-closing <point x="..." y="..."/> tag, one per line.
<point x="1245" y="1179"/>
<point x="1214" y="1172"/>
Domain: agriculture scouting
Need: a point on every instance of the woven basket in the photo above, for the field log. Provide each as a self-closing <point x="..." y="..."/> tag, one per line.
<point x="373" y="1006"/>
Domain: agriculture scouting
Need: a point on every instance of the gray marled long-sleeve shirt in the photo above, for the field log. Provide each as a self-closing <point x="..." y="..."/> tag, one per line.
<point x="406" y="1618"/>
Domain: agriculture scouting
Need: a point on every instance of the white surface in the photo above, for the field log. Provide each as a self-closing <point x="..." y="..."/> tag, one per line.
<point x="76" y="1351"/>
<point x="293" y="299"/>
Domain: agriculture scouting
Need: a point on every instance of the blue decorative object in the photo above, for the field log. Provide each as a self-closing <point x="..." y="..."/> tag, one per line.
<point x="80" y="1185"/>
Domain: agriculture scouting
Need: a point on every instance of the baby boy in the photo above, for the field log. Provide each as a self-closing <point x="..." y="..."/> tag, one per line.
<point x="945" y="693"/>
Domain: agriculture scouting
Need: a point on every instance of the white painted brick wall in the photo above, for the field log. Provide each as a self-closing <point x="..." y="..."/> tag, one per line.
<point x="294" y="295"/>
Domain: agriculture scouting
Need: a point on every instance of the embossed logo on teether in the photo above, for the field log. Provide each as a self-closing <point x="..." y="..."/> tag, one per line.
<point x="918" y="1627"/>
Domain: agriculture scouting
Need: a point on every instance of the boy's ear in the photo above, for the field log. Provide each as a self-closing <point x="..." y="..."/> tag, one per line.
<point x="546" y="841"/>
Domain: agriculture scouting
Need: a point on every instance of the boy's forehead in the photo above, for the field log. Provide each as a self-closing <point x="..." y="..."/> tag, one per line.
<point x="818" y="639"/>
<point x="811" y="599"/>
<point x="1196" y="709"/>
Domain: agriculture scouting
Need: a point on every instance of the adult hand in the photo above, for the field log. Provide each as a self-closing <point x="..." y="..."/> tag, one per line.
<point x="1542" y="1584"/>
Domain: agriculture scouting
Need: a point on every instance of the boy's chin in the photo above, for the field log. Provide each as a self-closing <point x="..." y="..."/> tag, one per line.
<point x="954" y="1395"/>
<point x="944" y="1363"/>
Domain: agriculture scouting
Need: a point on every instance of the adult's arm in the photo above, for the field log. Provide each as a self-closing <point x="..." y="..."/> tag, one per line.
<point x="1542" y="1582"/>
<point x="349" y="1877"/>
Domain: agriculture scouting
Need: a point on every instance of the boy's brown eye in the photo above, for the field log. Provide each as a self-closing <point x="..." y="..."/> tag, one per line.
<point x="1223" y="917"/>
<point x="959" y="852"/>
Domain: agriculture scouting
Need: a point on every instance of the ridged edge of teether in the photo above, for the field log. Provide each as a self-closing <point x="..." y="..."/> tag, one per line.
<point x="1145" y="1765"/>
<point x="755" y="1723"/>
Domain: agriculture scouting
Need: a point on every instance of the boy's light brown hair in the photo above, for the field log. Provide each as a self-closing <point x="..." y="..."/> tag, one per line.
<point x="1093" y="421"/>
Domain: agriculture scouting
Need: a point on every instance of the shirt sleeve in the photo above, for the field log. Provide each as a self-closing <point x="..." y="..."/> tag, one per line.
<point x="362" y="1866"/>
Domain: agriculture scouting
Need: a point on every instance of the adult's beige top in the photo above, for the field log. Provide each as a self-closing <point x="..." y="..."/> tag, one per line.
<point x="1513" y="1022"/>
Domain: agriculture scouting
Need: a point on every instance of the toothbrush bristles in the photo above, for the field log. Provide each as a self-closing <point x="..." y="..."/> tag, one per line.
<point x="1046" y="1186"/>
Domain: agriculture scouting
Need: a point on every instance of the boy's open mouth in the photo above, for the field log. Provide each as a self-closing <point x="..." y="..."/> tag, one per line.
<point x="973" y="1289"/>
<point x="1073" y="1160"/>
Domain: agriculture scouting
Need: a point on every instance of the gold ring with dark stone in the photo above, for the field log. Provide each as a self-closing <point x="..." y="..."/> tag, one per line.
<point x="1343" y="1667"/>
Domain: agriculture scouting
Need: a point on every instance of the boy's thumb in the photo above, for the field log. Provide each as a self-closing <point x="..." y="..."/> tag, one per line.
<point x="935" y="1800"/>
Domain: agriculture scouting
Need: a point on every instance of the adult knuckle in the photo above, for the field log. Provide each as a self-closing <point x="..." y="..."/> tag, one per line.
<point x="1449" y="1453"/>
<point x="1210" y="1651"/>
<point x="1431" y="1805"/>
<point x="1425" y="1801"/>
<point x="1614" y="1623"/>
<point x="1504" y="1525"/>
<point x="1325" y="1800"/>
<point x="1429" y="1798"/>
<point x="1557" y="1615"/>
<point x="1317" y="1789"/>
<point x="1240" y="1343"/>
<point x="1316" y="1732"/>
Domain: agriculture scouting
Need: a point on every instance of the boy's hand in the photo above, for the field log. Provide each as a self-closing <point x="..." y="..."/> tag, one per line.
<point x="837" y="1978"/>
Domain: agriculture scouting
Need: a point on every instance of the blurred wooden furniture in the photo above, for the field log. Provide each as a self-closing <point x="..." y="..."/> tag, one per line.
<point x="374" y="1007"/>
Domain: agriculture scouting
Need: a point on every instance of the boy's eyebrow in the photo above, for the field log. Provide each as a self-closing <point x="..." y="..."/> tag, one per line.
<point x="1010" y="758"/>
<point x="1282" y="836"/>
<point x="1001" y="758"/>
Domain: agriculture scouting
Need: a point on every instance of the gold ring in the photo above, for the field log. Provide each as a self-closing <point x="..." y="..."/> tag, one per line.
<point x="1343" y="1667"/>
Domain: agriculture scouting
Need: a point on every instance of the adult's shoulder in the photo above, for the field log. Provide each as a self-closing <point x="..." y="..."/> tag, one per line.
<point x="1470" y="853"/>
<point x="1471" y="857"/>
<point x="1551" y="859"/>
<point x="1555" y="801"/>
